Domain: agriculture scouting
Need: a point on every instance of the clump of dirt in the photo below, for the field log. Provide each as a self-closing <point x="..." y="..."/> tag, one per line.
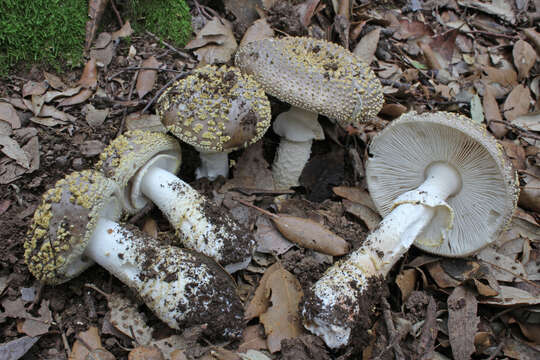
<point x="305" y="347"/>
<point x="284" y="17"/>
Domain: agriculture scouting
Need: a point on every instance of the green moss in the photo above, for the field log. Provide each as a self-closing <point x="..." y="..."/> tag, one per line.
<point x="41" y="31"/>
<point x="168" y="19"/>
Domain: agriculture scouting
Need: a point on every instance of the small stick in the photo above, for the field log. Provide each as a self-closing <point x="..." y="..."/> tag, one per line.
<point x="94" y="287"/>
<point x="518" y="128"/>
<point x="118" y="17"/>
<point x="273" y="216"/>
<point x="248" y="191"/>
<point x="58" y="321"/>
<point x="532" y="283"/>
<point x="141" y="68"/>
<point x="182" y="54"/>
<point x="169" y="83"/>
<point x="133" y="81"/>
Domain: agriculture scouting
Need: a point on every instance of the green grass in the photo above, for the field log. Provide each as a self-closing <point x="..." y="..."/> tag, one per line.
<point x="41" y="31"/>
<point x="168" y="19"/>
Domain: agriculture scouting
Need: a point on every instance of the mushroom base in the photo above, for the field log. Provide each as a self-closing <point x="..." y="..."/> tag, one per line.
<point x="289" y="162"/>
<point x="213" y="164"/>
<point x="183" y="288"/>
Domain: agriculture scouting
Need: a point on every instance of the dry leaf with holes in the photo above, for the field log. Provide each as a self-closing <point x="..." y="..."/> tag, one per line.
<point x="126" y="319"/>
<point x="9" y="115"/>
<point x="147" y="78"/>
<point x="260" y="302"/>
<point x="462" y="322"/>
<point x="282" y="319"/>
<point x="524" y="58"/>
<point x="517" y="103"/>
<point x="215" y="43"/>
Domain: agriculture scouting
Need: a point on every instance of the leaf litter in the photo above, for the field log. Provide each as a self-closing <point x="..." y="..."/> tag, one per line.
<point x="476" y="58"/>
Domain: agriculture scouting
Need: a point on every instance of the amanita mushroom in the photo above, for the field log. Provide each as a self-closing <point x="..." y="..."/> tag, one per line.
<point x="216" y="110"/>
<point x="144" y="164"/>
<point x="315" y="77"/>
<point x="75" y="225"/>
<point x="441" y="182"/>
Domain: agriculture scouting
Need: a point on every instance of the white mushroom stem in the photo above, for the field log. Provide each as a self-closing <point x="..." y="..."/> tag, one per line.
<point x="213" y="164"/>
<point x="184" y="208"/>
<point x="297" y="128"/>
<point x="337" y="292"/>
<point x="170" y="280"/>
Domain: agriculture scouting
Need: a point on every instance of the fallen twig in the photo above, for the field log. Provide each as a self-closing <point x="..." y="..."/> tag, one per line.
<point x="182" y="54"/>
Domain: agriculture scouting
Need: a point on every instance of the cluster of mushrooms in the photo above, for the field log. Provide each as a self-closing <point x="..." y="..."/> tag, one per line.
<point x="441" y="182"/>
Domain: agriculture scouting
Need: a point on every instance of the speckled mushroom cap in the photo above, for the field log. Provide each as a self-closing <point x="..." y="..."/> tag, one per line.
<point x="315" y="75"/>
<point x="126" y="154"/>
<point x="215" y="109"/>
<point x="483" y="207"/>
<point x="63" y="224"/>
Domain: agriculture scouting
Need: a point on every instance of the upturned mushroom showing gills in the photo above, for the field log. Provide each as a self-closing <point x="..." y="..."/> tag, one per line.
<point x="216" y="110"/>
<point x="441" y="182"/>
<point x="144" y="164"/>
<point x="75" y="226"/>
<point x="314" y="77"/>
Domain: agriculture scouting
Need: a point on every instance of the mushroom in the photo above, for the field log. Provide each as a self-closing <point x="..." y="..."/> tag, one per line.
<point x="314" y="77"/>
<point x="75" y="225"/>
<point x="441" y="182"/>
<point x="144" y="164"/>
<point x="216" y="110"/>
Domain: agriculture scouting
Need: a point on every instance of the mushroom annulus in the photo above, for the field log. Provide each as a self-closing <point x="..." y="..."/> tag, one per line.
<point x="314" y="77"/>
<point x="442" y="183"/>
<point x="76" y="225"/>
<point x="216" y="110"/>
<point x="144" y="164"/>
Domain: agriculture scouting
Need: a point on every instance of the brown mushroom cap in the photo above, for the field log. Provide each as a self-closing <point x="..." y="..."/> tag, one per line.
<point x="483" y="207"/>
<point x="126" y="154"/>
<point x="215" y="109"/>
<point x="63" y="224"/>
<point x="315" y="75"/>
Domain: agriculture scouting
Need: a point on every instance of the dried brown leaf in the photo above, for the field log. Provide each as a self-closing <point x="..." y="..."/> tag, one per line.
<point x="96" y="9"/>
<point x="91" y="339"/>
<point x="530" y="121"/>
<point x="270" y="240"/>
<point x="145" y="353"/>
<point x="91" y="148"/>
<point x="511" y="296"/>
<point x="15" y="349"/>
<point x="366" y="47"/>
<point x="517" y="103"/>
<point x="531" y="331"/>
<point x="89" y="76"/>
<point x="462" y="322"/>
<point x="245" y="11"/>
<point x="47" y="121"/>
<point x="51" y="111"/>
<point x="364" y="213"/>
<point x="124" y="31"/>
<point x="491" y="110"/>
<point x="9" y="114"/>
<point x="80" y="97"/>
<point x="215" y="43"/>
<point x="253" y="338"/>
<point x="501" y="8"/>
<point x="34" y="88"/>
<point x="95" y="117"/>
<point x="12" y="149"/>
<point x="529" y="197"/>
<point x="259" y="30"/>
<point x="355" y="194"/>
<point x="310" y="234"/>
<point x="440" y="276"/>
<point x="260" y="301"/>
<point x="54" y="81"/>
<point x="129" y="321"/>
<point x="103" y="50"/>
<point x="149" y="122"/>
<point x="282" y="319"/>
<point x="37" y="103"/>
<point x="147" y="78"/>
<point x="524" y="58"/>
<point x="534" y="36"/>
<point x="406" y="281"/>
